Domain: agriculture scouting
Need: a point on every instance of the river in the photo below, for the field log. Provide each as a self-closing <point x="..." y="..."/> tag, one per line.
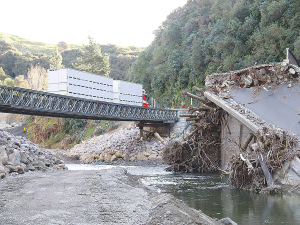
<point x="213" y="195"/>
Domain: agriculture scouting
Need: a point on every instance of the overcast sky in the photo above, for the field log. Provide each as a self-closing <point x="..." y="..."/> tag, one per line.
<point x="121" y="22"/>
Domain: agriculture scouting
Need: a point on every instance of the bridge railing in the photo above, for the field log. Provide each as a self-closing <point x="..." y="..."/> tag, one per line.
<point x="31" y="102"/>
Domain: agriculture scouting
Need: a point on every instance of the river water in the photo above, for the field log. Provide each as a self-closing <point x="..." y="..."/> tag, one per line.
<point x="212" y="195"/>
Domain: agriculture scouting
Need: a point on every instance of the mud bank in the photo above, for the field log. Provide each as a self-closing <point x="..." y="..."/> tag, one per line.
<point x="89" y="197"/>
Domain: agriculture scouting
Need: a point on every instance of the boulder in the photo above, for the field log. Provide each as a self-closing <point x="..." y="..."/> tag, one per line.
<point x="125" y="156"/>
<point x="141" y="158"/>
<point x="38" y="164"/>
<point x="61" y="166"/>
<point x="101" y="157"/>
<point x="152" y="156"/>
<point x="113" y="158"/>
<point x="24" y="157"/>
<point x="119" y="154"/>
<point x="112" y="152"/>
<point x="107" y="158"/>
<point x="15" y="157"/>
<point x="3" y="155"/>
<point x="12" y="168"/>
<point x="20" y="169"/>
<point x="3" y="169"/>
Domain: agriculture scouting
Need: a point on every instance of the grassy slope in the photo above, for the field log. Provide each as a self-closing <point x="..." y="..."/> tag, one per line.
<point x="24" y="45"/>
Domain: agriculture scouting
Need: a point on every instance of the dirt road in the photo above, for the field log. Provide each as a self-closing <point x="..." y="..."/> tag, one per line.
<point x="89" y="197"/>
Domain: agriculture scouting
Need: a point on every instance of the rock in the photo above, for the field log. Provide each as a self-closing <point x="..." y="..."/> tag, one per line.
<point x="3" y="169"/>
<point x="227" y="221"/>
<point x="152" y="156"/>
<point x="125" y="156"/>
<point x="24" y="157"/>
<point x="12" y="168"/>
<point x="38" y="164"/>
<point x="31" y="168"/>
<point x="20" y="170"/>
<point x="15" y="157"/>
<point x="101" y="156"/>
<point x="61" y="166"/>
<point x="107" y="158"/>
<point x="3" y="155"/>
<point x="113" y="158"/>
<point x="141" y="158"/>
<point x="2" y="175"/>
<point x="111" y="152"/>
<point x="132" y="158"/>
<point x="119" y="154"/>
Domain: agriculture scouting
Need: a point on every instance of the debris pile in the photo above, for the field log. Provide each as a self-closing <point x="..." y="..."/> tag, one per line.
<point x="201" y="150"/>
<point x="274" y="146"/>
<point x="256" y="77"/>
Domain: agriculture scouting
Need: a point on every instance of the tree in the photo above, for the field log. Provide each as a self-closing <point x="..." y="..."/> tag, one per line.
<point x="21" y="82"/>
<point x="37" y="78"/>
<point x="93" y="61"/>
<point x="9" y="82"/>
<point x="62" y="46"/>
<point x="55" y="60"/>
<point x="2" y="74"/>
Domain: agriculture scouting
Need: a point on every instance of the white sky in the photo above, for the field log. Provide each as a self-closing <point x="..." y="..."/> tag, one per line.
<point x="120" y="22"/>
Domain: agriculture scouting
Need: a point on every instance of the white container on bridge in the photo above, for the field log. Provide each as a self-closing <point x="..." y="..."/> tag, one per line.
<point x="80" y="84"/>
<point x="127" y="93"/>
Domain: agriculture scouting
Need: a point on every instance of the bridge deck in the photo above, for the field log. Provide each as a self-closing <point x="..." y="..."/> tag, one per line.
<point x="30" y="102"/>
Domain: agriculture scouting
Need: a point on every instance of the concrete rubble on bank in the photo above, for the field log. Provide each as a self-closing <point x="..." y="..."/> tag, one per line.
<point x="19" y="155"/>
<point x="123" y="144"/>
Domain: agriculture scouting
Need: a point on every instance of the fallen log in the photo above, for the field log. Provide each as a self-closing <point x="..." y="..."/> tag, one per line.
<point x="187" y="94"/>
<point x="249" y="138"/>
<point x="264" y="167"/>
<point x="159" y="138"/>
<point x="199" y="91"/>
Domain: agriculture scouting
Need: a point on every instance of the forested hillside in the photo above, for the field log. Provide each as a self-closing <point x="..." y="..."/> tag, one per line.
<point x="207" y="36"/>
<point x="17" y="55"/>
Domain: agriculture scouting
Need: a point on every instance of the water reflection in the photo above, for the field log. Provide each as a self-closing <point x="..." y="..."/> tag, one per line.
<point x="215" y="198"/>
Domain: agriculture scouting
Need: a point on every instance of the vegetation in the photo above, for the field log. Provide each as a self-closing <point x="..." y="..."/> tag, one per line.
<point x="92" y="59"/>
<point x="208" y="36"/>
<point x="51" y="132"/>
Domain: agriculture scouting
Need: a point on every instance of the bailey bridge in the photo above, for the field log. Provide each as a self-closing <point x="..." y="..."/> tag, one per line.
<point x="31" y="102"/>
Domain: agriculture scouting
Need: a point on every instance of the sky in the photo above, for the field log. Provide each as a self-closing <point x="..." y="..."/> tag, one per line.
<point x="120" y="22"/>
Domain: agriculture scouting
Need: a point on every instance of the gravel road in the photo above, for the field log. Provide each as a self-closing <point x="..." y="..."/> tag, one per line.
<point x="89" y="197"/>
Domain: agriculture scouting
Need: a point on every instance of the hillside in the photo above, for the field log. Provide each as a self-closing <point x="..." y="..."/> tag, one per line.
<point x="208" y="36"/>
<point x="17" y="54"/>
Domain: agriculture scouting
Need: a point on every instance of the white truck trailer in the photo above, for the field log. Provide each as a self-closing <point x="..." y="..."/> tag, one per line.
<point x="85" y="85"/>
<point x="128" y="93"/>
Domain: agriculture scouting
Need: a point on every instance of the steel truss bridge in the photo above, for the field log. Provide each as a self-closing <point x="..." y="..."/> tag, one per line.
<point x="30" y="102"/>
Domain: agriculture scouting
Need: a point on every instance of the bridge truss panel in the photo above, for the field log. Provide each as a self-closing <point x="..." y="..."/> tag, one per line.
<point x="30" y="102"/>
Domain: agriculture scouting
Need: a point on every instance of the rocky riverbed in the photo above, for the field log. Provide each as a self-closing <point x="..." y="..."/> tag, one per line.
<point x="123" y="144"/>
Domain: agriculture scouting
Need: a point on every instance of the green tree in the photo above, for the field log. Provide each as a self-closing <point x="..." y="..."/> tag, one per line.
<point x="55" y="60"/>
<point x="2" y="74"/>
<point x="9" y="82"/>
<point x="93" y="61"/>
